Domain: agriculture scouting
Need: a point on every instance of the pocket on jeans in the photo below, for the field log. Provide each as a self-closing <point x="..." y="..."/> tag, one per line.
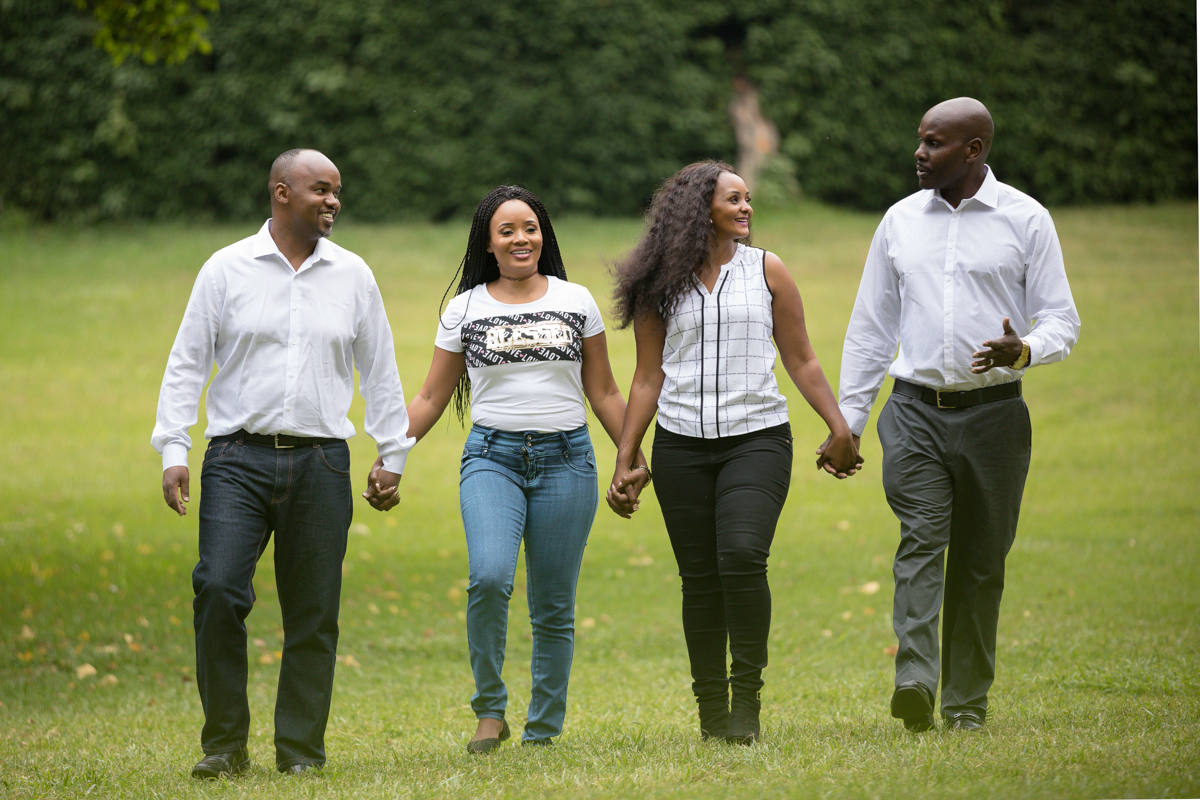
<point x="336" y="460"/>
<point x="584" y="462"/>
<point x="218" y="450"/>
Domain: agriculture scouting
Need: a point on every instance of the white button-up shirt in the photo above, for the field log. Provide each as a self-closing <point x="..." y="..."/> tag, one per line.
<point x="938" y="282"/>
<point x="285" y="343"/>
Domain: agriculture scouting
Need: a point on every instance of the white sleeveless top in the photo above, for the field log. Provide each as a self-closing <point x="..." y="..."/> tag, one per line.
<point x="719" y="359"/>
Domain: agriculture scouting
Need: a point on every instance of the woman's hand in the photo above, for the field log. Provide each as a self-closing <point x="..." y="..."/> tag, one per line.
<point x="838" y="455"/>
<point x="626" y="487"/>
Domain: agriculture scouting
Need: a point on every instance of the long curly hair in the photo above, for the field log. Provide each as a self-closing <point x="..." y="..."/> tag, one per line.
<point x="675" y="243"/>
<point x="479" y="266"/>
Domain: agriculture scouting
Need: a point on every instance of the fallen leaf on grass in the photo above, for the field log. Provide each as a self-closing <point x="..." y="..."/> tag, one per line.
<point x="587" y="622"/>
<point x="266" y="658"/>
<point x="870" y="587"/>
<point x="27" y="612"/>
<point x="109" y="680"/>
<point x="891" y="650"/>
<point x="27" y="632"/>
<point x="640" y="561"/>
<point x="85" y="671"/>
<point x="349" y="661"/>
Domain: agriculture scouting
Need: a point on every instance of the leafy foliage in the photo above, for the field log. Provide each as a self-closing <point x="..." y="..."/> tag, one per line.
<point x="153" y="29"/>
<point x="590" y="103"/>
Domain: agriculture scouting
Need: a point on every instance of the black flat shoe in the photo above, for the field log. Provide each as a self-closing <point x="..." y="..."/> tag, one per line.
<point x="481" y="746"/>
<point x="965" y="721"/>
<point x="217" y="765"/>
<point x="913" y="703"/>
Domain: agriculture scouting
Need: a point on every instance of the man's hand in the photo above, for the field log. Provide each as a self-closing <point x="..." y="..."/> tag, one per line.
<point x="1000" y="352"/>
<point x="175" y="489"/>
<point x="382" y="487"/>
<point x="831" y="454"/>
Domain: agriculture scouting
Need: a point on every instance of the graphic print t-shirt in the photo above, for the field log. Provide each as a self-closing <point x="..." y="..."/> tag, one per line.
<point x="525" y="361"/>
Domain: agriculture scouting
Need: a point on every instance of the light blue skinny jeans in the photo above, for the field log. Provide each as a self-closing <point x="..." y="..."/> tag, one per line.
<point x="540" y="488"/>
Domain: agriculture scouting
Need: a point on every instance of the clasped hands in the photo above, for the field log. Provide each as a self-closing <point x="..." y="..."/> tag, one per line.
<point x="838" y="455"/>
<point x="383" y="487"/>
<point x="626" y="486"/>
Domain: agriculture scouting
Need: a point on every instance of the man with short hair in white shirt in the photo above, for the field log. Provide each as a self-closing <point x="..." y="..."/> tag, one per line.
<point x="286" y="315"/>
<point x="949" y="268"/>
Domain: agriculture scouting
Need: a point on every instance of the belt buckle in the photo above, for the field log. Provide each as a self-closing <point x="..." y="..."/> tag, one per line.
<point x="939" y="401"/>
<point x="279" y="446"/>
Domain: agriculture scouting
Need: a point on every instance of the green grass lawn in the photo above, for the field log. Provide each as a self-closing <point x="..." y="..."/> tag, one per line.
<point x="1096" y="695"/>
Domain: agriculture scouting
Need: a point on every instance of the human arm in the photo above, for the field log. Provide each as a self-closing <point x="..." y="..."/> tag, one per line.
<point x="602" y="392"/>
<point x="445" y="370"/>
<point x="872" y="334"/>
<point x="839" y="455"/>
<point x="649" y="335"/>
<point x="188" y="368"/>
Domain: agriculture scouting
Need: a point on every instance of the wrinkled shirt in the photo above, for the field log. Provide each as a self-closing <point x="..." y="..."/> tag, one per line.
<point x="938" y="283"/>
<point x="285" y="343"/>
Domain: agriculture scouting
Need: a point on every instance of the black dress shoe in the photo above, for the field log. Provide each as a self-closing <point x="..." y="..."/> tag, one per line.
<point x="913" y="703"/>
<point x="218" y="764"/>
<point x="481" y="746"/>
<point x="965" y="721"/>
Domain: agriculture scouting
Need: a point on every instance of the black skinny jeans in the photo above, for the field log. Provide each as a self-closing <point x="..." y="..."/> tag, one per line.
<point x="720" y="500"/>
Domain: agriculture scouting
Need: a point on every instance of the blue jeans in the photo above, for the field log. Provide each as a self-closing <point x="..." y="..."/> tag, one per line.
<point x="303" y="496"/>
<point x="540" y="488"/>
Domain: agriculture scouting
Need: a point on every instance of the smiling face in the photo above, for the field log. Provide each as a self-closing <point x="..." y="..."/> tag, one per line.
<point x="515" y="239"/>
<point x="309" y="196"/>
<point x="731" y="209"/>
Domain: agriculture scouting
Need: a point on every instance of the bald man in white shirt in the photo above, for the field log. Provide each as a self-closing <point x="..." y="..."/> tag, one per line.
<point x="964" y="289"/>
<point x="287" y="316"/>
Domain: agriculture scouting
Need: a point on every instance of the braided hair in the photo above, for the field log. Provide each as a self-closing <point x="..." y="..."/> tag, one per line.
<point x="676" y="242"/>
<point x="479" y="266"/>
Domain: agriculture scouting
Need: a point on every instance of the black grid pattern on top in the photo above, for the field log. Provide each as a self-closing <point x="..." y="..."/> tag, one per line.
<point x="719" y="356"/>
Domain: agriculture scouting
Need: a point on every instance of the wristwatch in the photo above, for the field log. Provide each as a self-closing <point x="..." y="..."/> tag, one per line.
<point x="1022" y="360"/>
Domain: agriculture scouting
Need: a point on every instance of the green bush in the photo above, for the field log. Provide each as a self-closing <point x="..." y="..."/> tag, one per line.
<point x="590" y="103"/>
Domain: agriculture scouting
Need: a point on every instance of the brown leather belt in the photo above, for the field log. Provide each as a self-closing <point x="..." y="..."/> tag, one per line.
<point x="278" y="441"/>
<point x="956" y="400"/>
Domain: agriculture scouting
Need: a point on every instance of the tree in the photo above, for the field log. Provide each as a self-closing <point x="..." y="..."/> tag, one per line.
<point x="152" y="29"/>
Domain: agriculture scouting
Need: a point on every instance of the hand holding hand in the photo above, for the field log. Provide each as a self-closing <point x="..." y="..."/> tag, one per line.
<point x="382" y="487"/>
<point x="623" y="492"/>
<point x="175" y="489"/>
<point x="1000" y="352"/>
<point x="839" y="456"/>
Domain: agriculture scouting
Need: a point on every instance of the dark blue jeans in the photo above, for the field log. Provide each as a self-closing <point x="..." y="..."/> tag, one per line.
<point x="303" y="496"/>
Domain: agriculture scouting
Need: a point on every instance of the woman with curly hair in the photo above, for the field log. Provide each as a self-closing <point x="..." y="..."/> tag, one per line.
<point x="521" y="347"/>
<point x="705" y="307"/>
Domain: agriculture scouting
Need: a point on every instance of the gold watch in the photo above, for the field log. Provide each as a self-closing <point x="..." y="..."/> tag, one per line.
<point x="1022" y="360"/>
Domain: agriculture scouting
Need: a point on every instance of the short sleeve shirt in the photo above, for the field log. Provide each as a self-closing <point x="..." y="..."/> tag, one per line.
<point x="525" y="361"/>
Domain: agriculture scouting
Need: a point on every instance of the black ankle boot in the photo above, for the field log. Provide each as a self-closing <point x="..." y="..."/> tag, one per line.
<point x="743" y="719"/>
<point x="714" y="717"/>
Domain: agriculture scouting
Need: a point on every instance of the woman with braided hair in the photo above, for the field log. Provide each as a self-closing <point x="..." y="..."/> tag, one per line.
<point x="521" y="347"/>
<point x="705" y="307"/>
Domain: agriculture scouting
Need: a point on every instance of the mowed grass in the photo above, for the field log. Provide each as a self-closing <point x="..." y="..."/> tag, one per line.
<point x="1096" y="695"/>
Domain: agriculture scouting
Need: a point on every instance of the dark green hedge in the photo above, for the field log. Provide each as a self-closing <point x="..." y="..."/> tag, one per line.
<point x="589" y="103"/>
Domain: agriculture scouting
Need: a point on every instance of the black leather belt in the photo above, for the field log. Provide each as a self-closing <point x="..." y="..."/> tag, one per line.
<point x="279" y="441"/>
<point x="953" y="400"/>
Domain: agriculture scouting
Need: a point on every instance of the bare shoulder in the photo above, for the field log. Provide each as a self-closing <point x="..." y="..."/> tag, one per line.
<point x="776" y="272"/>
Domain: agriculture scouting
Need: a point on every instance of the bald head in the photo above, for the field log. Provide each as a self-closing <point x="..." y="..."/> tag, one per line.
<point x="967" y="118"/>
<point x="288" y="165"/>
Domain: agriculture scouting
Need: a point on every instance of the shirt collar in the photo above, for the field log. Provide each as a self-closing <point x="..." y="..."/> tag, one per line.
<point x="988" y="193"/>
<point x="265" y="246"/>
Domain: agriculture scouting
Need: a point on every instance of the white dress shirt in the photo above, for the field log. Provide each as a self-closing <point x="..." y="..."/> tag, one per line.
<point x="285" y="343"/>
<point x="938" y="282"/>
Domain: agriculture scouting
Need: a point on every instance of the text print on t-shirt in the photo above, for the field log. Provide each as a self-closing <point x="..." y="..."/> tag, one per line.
<point x="524" y="338"/>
